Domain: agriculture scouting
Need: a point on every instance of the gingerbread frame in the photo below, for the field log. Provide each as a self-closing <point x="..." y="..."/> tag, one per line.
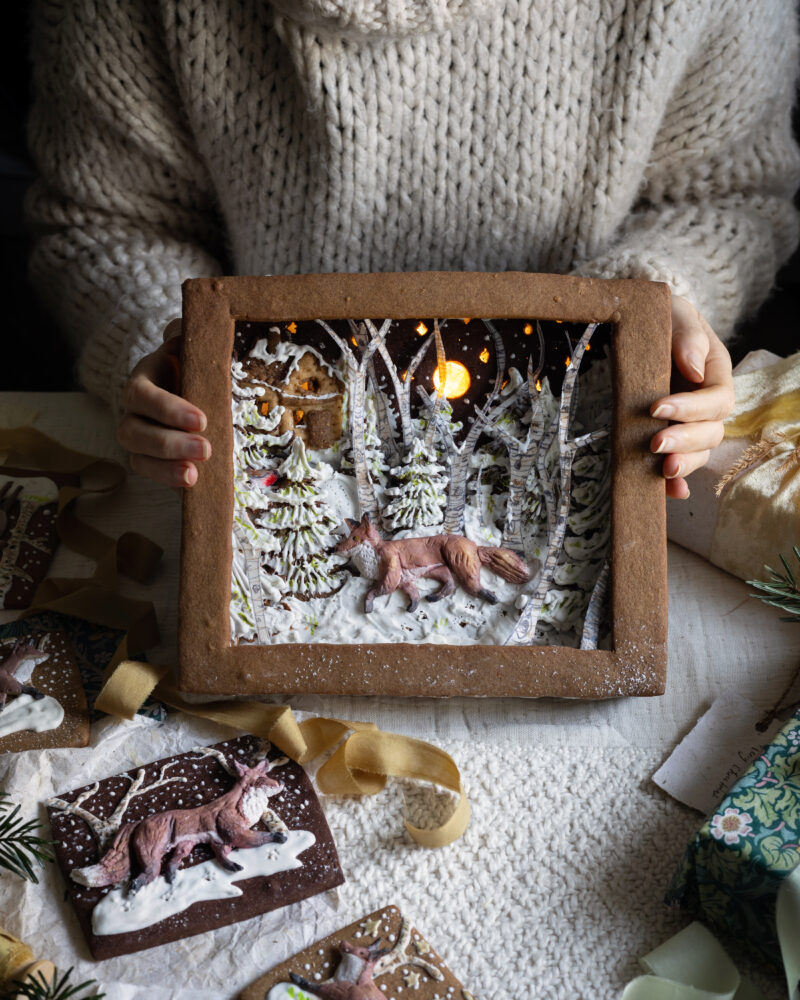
<point x="640" y="314"/>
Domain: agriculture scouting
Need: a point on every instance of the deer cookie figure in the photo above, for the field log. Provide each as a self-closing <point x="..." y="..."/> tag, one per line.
<point x="224" y="824"/>
<point x="22" y="652"/>
<point x="353" y="977"/>
<point x="446" y="558"/>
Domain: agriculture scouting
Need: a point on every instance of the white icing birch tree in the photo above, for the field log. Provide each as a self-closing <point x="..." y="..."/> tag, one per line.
<point x="557" y="505"/>
<point x="460" y="454"/>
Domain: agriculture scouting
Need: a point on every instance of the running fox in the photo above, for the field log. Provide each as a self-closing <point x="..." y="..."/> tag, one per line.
<point x="439" y="557"/>
<point x="223" y="823"/>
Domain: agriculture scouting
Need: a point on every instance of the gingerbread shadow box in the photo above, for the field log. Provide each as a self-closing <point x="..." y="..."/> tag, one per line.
<point x="425" y="484"/>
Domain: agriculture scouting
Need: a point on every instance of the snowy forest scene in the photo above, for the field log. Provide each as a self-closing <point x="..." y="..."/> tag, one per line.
<point x="438" y="480"/>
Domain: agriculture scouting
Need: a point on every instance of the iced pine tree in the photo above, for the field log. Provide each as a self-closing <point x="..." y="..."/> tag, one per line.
<point x="377" y="466"/>
<point x="421" y="493"/>
<point x="299" y="521"/>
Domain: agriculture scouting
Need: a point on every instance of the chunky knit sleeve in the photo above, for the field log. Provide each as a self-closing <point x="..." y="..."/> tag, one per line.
<point x="714" y="218"/>
<point x="123" y="210"/>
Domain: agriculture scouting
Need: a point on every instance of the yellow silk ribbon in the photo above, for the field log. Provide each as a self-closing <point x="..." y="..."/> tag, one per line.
<point x="783" y="409"/>
<point x="360" y="766"/>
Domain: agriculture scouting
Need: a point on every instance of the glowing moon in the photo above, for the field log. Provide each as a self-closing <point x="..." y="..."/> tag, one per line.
<point x="456" y="380"/>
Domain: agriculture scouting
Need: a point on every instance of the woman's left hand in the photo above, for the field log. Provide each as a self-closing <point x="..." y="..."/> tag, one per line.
<point x="702" y="359"/>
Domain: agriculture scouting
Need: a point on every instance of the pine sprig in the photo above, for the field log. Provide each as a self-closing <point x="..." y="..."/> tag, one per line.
<point x="38" y="988"/>
<point x="19" y="845"/>
<point x="782" y="590"/>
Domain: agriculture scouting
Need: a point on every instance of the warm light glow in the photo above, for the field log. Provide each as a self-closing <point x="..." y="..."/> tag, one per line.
<point x="527" y="329"/>
<point x="403" y="376"/>
<point x="467" y="321"/>
<point x="305" y="386"/>
<point x="538" y="385"/>
<point x="354" y="342"/>
<point x="588" y="347"/>
<point x="456" y="380"/>
<point x="264" y="409"/>
<point x="292" y="327"/>
<point x="567" y="361"/>
<point x="484" y="355"/>
<point x="422" y="329"/>
<point x="298" y="416"/>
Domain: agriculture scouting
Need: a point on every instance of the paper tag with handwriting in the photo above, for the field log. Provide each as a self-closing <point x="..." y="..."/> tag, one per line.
<point x="715" y="754"/>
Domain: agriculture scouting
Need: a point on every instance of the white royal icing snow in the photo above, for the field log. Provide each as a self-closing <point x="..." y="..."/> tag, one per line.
<point x="26" y="713"/>
<point x="282" y="551"/>
<point x="118" y="913"/>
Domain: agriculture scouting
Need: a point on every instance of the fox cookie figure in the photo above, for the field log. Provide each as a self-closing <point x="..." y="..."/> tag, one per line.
<point x="446" y="558"/>
<point x="223" y="824"/>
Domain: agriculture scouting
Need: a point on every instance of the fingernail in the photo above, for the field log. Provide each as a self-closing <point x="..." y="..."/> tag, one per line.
<point x="664" y="445"/>
<point x="674" y="475"/>
<point x="697" y="365"/>
<point x="664" y="411"/>
<point x="195" y="422"/>
<point x="187" y="476"/>
<point x="688" y="493"/>
<point x="198" y="449"/>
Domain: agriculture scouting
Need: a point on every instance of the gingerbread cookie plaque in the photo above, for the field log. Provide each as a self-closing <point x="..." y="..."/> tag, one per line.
<point x="401" y="487"/>
<point x="42" y="701"/>
<point x="381" y="957"/>
<point x="190" y="843"/>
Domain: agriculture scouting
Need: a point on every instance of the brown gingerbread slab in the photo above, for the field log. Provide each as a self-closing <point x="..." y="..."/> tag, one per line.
<point x="267" y="602"/>
<point x="28" y="534"/>
<point x="190" y="843"/>
<point x="381" y="957"/>
<point x="53" y="712"/>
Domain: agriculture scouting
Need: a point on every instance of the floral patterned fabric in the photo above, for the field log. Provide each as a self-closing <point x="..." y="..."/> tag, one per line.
<point x="732" y="870"/>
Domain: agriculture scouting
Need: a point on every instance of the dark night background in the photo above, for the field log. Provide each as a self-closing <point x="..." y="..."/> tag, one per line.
<point x="36" y="357"/>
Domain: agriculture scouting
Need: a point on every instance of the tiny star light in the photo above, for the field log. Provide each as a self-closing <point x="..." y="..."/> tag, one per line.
<point x="421" y="329"/>
<point x="484" y="355"/>
<point x="292" y="327"/>
<point x="456" y="381"/>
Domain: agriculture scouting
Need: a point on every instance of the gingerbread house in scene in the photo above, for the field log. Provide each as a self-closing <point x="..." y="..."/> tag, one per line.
<point x="310" y="394"/>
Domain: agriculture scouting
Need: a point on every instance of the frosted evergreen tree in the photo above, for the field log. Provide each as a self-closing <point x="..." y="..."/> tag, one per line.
<point x="300" y="521"/>
<point x="377" y="465"/>
<point x="421" y="493"/>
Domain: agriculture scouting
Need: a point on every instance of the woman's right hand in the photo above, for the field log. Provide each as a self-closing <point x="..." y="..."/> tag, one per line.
<point x="161" y="430"/>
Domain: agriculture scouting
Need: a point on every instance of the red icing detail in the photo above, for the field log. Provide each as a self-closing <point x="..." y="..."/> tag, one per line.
<point x="270" y="478"/>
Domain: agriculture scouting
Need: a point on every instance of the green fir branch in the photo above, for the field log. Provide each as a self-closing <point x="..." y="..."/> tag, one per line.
<point x="38" y="988"/>
<point x="782" y="590"/>
<point x="19" y="846"/>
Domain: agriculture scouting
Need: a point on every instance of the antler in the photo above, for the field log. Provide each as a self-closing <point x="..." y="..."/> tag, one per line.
<point x="398" y="957"/>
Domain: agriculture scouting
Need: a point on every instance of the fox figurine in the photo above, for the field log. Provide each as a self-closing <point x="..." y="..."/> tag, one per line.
<point x="10" y="684"/>
<point x="446" y="558"/>
<point x="223" y="823"/>
<point x="352" y="979"/>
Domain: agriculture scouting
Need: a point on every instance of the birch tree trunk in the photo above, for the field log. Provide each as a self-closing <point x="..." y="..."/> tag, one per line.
<point x="525" y="630"/>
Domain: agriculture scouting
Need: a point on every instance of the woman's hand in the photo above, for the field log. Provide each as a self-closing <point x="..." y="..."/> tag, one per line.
<point x="702" y="359"/>
<point x="162" y="431"/>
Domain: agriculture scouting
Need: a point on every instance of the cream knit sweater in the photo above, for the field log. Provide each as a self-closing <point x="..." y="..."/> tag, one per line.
<point x="624" y="138"/>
